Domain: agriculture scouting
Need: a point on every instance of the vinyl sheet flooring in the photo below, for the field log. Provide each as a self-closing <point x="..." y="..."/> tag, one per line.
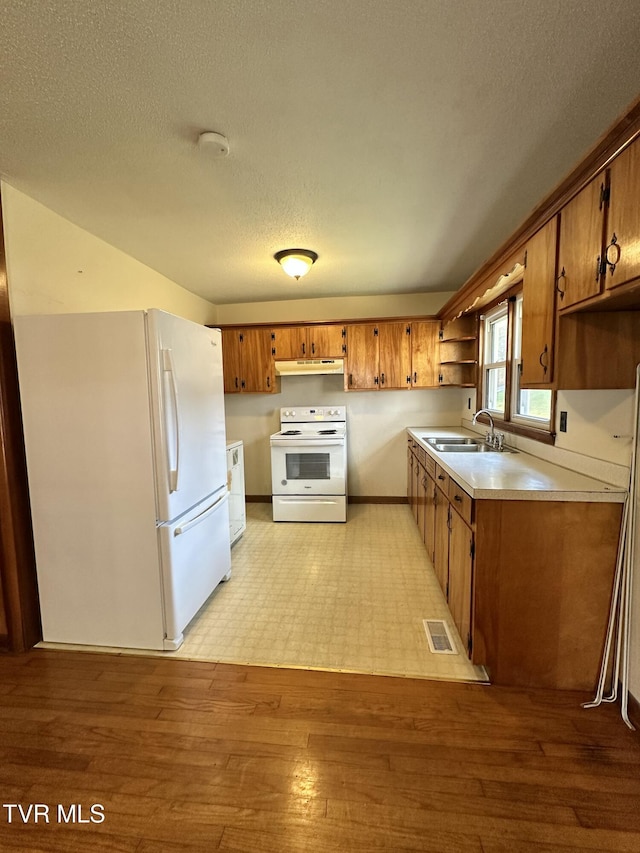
<point x="343" y="597"/>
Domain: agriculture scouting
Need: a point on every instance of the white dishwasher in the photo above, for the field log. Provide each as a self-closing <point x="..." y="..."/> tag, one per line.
<point x="235" y="485"/>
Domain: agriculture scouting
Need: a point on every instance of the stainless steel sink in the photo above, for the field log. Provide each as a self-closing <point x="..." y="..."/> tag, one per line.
<point x="457" y="441"/>
<point x="444" y="444"/>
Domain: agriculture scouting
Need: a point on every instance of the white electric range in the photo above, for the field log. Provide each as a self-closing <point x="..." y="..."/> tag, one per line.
<point x="309" y="464"/>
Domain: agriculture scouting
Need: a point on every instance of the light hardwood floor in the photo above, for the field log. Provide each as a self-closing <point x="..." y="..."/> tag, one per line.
<point x="197" y="756"/>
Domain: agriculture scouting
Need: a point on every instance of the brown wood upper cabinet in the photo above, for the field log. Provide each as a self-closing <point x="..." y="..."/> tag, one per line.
<point x="247" y="361"/>
<point x="424" y="353"/>
<point x="621" y="253"/>
<point x="378" y="356"/>
<point x="538" y="307"/>
<point x="309" y="341"/>
<point x="599" y="246"/>
<point x="580" y="245"/>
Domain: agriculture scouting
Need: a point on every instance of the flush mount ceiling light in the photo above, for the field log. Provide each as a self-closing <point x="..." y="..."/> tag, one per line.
<point x="296" y="262"/>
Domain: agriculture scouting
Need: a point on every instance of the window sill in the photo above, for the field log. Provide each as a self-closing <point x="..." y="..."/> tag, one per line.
<point x="541" y="435"/>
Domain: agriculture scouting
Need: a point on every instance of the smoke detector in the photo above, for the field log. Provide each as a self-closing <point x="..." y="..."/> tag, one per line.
<point x="215" y="143"/>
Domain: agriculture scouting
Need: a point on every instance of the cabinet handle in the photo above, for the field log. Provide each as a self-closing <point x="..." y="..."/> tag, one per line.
<point x="457" y="498"/>
<point x="376" y="380"/>
<point x="441" y="476"/>
<point x="304" y="352"/>
<point x="562" y="275"/>
<point x="350" y="380"/>
<point x="313" y="348"/>
<point x="415" y="377"/>
<point x="612" y="251"/>
<point x="236" y="381"/>
<point x="268" y="382"/>
<point x="382" y="378"/>
<point x="544" y="353"/>
<point x="598" y="268"/>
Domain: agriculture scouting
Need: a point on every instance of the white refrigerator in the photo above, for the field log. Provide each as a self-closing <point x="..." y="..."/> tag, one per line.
<point x="126" y="460"/>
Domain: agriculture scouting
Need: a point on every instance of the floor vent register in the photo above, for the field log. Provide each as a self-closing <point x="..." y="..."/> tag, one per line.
<point x="438" y="637"/>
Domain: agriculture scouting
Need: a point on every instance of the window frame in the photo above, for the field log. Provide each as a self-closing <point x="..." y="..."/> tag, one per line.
<point x="506" y="423"/>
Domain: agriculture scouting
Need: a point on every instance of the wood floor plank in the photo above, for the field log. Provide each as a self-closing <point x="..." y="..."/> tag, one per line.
<point x="526" y="769"/>
<point x="195" y="756"/>
<point x="374" y="839"/>
<point x="485" y="826"/>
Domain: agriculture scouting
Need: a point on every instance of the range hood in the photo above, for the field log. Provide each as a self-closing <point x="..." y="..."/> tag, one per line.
<point x="309" y="366"/>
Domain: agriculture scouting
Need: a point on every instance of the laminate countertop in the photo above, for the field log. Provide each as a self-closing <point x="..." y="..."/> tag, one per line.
<point x="513" y="476"/>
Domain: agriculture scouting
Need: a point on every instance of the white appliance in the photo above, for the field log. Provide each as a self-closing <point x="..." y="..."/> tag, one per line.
<point x="125" y="439"/>
<point x="235" y="484"/>
<point x="309" y="465"/>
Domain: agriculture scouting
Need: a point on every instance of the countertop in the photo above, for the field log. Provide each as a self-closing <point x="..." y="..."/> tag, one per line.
<point x="513" y="476"/>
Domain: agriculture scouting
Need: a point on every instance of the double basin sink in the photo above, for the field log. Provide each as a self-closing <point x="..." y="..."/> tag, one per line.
<point x="446" y="444"/>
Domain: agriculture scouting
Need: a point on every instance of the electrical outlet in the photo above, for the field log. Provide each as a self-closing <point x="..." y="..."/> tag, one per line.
<point x="563" y="421"/>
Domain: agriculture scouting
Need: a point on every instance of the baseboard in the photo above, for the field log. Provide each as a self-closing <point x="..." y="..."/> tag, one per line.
<point x="376" y="499"/>
<point x="352" y="499"/>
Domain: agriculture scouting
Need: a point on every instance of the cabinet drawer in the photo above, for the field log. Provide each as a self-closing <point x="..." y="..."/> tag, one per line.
<point x="460" y="500"/>
<point x="430" y="465"/>
<point x="442" y="479"/>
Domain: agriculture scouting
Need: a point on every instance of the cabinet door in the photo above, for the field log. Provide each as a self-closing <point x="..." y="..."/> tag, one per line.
<point x="424" y="353"/>
<point x="421" y="492"/>
<point x="327" y="341"/>
<point x="430" y="516"/>
<point x="460" y="577"/>
<point x="441" y="544"/>
<point x="362" y="358"/>
<point x="580" y="245"/>
<point x="411" y="461"/>
<point x="394" y="355"/>
<point x="622" y="252"/>
<point x="231" y="367"/>
<point x="257" y="361"/>
<point x="290" y="342"/>
<point x="538" y="307"/>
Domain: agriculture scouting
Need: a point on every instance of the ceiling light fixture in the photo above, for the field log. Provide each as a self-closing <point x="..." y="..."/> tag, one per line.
<point x="296" y="262"/>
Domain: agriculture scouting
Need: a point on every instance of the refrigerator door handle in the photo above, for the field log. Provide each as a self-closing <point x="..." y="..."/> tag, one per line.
<point x="203" y="515"/>
<point x="168" y="367"/>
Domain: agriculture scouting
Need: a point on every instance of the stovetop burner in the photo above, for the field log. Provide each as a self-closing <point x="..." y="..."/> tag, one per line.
<point x="291" y="432"/>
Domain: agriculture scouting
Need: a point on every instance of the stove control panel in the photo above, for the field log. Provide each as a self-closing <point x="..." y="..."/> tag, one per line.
<point x="311" y="414"/>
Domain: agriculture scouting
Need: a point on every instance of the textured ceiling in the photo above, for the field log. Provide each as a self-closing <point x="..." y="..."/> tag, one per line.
<point x="403" y="141"/>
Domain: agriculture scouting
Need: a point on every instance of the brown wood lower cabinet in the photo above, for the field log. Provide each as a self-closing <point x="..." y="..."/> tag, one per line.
<point x="542" y="588"/>
<point x="441" y="539"/>
<point x="528" y="583"/>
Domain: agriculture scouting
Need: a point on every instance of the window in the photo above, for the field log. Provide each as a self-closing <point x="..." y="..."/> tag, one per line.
<point x="519" y="409"/>
<point x="495" y="360"/>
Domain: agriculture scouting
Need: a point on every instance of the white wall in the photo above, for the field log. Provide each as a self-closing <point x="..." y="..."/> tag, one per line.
<point x="376" y="424"/>
<point x="333" y="308"/>
<point x="54" y="267"/>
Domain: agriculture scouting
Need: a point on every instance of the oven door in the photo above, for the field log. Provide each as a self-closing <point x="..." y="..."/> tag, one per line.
<point x="308" y="467"/>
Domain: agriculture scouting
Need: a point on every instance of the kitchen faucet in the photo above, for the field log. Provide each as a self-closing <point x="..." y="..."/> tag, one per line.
<point x="491" y="438"/>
